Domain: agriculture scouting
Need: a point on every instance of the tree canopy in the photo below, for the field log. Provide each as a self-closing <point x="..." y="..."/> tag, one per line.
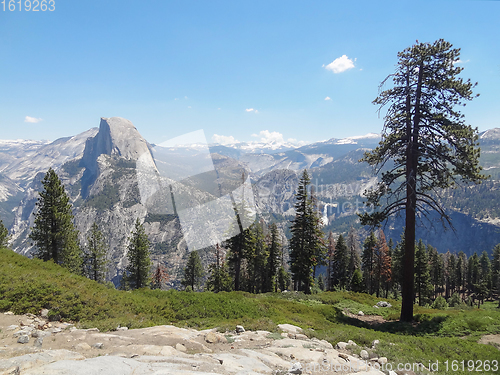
<point x="95" y="255"/>
<point x="193" y="273"/>
<point x="53" y="233"/>
<point x="306" y="244"/>
<point x="426" y="145"/>
<point x="139" y="262"/>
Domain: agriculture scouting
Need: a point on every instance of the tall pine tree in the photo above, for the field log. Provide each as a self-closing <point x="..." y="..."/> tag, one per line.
<point x="139" y="262"/>
<point x="219" y="279"/>
<point x="422" y="274"/>
<point x="94" y="255"/>
<point x="330" y="252"/>
<point x="273" y="260"/>
<point x="450" y="274"/>
<point x="495" y="271"/>
<point x="368" y="261"/>
<point x="426" y="144"/>
<point x="53" y="233"/>
<point x="307" y="239"/>
<point x="193" y="273"/>
<point x="340" y="273"/>
<point x="436" y="270"/>
<point x="461" y="273"/>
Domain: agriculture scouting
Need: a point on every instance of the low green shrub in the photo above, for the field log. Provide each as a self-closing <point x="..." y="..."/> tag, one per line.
<point x="440" y="303"/>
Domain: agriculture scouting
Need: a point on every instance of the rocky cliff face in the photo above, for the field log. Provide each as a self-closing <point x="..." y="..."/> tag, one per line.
<point x="117" y="137"/>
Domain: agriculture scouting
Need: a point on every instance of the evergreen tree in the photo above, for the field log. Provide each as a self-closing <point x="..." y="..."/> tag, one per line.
<point x="353" y="246"/>
<point x="240" y="248"/>
<point x="397" y="265"/>
<point x="193" y="273"/>
<point x="219" y="279"/>
<point x="330" y="252"/>
<point x="239" y="244"/>
<point x="340" y="273"/>
<point x="495" y="271"/>
<point x="284" y="278"/>
<point x="139" y="263"/>
<point x="436" y="269"/>
<point x="451" y="279"/>
<point x="390" y="254"/>
<point x="486" y="279"/>
<point x="160" y="277"/>
<point x="95" y="262"/>
<point x="422" y="274"/>
<point x="256" y="255"/>
<point x="273" y="260"/>
<point x="321" y="282"/>
<point x="4" y="235"/>
<point x="316" y="234"/>
<point x="473" y="274"/>
<point x="307" y="238"/>
<point x="461" y="273"/>
<point x="356" y="283"/>
<point x="54" y="234"/>
<point x="426" y="143"/>
<point x="235" y="246"/>
<point x="368" y="260"/>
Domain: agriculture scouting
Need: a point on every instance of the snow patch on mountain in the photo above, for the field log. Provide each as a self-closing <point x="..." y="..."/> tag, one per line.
<point x="355" y="139"/>
<point x="490" y="134"/>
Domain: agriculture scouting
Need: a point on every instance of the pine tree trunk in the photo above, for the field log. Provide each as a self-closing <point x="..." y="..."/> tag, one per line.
<point x="411" y="201"/>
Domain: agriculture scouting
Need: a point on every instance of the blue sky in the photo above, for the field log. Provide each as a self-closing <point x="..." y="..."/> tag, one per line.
<point x="231" y="68"/>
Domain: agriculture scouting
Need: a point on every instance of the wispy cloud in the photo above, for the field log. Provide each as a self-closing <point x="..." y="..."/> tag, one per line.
<point x="296" y="142"/>
<point x="266" y="136"/>
<point x="224" y="139"/>
<point x="340" y="64"/>
<point x="328" y="98"/>
<point x="32" y="120"/>
<point x="251" y="110"/>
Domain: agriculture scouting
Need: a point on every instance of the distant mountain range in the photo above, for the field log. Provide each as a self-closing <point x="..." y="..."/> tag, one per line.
<point x="113" y="176"/>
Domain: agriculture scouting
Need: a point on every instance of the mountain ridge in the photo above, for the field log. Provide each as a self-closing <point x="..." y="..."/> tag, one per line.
<point x="99" y="170"/>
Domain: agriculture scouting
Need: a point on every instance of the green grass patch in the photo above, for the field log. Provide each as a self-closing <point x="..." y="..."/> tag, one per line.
<point x="28" y="285"/>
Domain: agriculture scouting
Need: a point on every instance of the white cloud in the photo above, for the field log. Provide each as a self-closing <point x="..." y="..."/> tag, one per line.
<point x="340" y="64"/>
<point x="32" y="120"/>
<point x="266" y="136"/>
<point x="328" y="98"/>
<point x="251" y="110"/>
<point x="297" y="143"/>
<point x="224" y="139"/>
<point x="460" y="61"/>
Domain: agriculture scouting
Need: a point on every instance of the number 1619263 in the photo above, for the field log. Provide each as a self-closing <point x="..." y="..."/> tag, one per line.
<point x="28" y="5"/>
